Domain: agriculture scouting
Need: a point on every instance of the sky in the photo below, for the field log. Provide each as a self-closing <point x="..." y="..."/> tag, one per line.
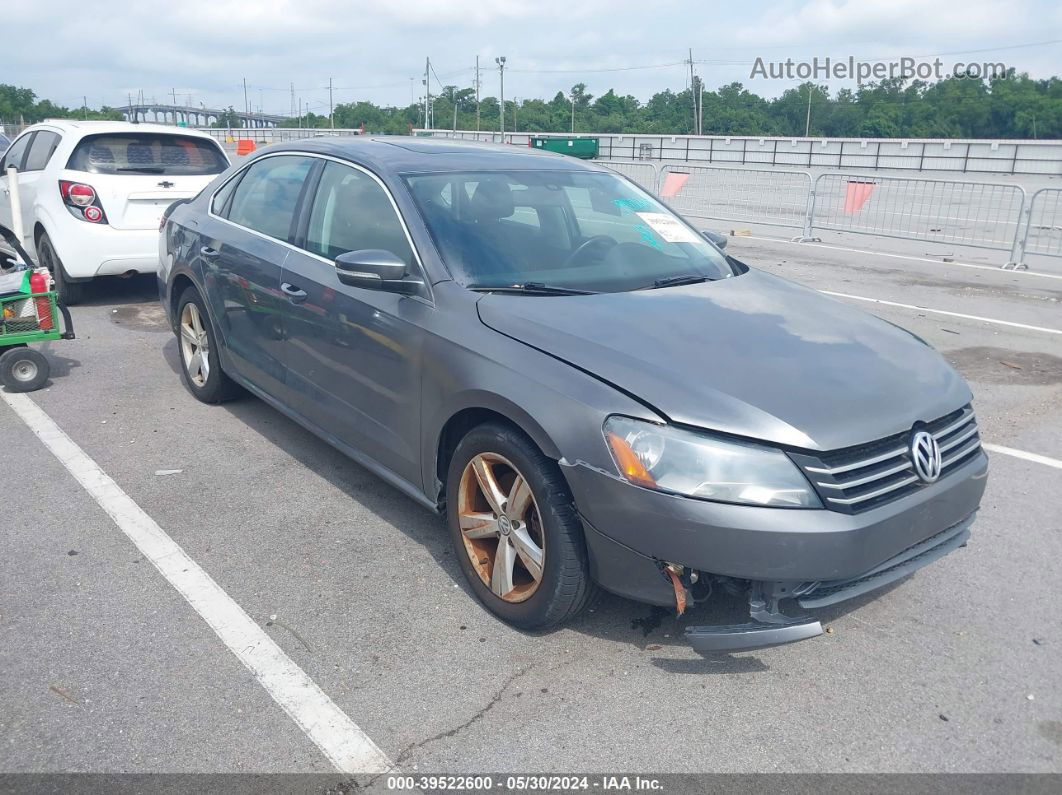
<point x="202" y="50"/>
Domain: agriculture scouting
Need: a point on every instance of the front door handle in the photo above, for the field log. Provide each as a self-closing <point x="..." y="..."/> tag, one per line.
<point x="209" y="253"/>
<point x="293" y="292"/>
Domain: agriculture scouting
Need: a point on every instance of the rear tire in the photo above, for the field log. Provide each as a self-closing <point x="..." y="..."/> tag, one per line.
<point x="539" y="537"/>
<point x="23" y="369"/>
<point x="70" y="293"/>
<point x="197" y="345"/>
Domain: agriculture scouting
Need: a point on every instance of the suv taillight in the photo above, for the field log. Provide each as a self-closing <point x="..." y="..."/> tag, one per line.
<point x="82" y="202"/>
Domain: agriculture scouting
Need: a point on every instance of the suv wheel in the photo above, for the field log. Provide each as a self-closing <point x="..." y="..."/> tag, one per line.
<point x="200" y="365"/>
<point x="70" y="293"/>
<point x="514" y="526"/>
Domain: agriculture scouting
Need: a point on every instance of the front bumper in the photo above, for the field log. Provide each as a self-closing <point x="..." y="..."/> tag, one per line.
<point x="754" y="543"/>
<point x="812" y="558"/>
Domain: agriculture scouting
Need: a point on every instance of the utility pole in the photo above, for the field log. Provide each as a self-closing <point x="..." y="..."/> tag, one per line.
<point x="173" y="92"/>
<point x="84" y="105"/>
<point x="412" y="93"/>
<point x="300" y="113"/>
<point x="807" y="121"/>
<point x="331" y="107"/>
<point x="291" y="110"/>
<point x="246" y="104"/>
<point x="573" y="112"/>
<point x="500" y="60"/>
<point x="455" y="112"/>
<point x="516" y="103"/>
<point x="693" y="92"/>
<point x="427" y="93"/>
<point x="477" y="94"/>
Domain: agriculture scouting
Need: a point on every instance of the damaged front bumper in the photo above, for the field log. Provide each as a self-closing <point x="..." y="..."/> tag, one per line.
<point x="770" y="626"/>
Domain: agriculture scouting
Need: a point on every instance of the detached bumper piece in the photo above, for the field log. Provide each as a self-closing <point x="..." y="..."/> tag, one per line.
<point x="769" y="627"/>
<point x="746" y="637"/>
<point x="907" y="562"/>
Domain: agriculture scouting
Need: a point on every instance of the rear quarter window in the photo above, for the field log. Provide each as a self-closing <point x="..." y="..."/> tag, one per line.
<point x="147" y="153"/>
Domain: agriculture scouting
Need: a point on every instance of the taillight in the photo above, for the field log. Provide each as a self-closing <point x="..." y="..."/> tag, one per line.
<point x="82" y="201"/>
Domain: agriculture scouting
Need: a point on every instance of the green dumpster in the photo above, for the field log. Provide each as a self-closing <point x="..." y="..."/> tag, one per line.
<point x="583" y="148"/>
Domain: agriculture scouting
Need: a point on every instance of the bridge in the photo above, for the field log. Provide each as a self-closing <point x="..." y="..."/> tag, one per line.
<point x="194" y="116"/>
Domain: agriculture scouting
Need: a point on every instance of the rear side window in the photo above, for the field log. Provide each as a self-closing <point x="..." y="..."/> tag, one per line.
<point x="13" y="156"/>
<point x="41" y="150"/>
<point x="266" y="197"/>
<point x="147" y="153"/>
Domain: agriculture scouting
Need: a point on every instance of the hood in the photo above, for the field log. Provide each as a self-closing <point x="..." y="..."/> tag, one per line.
<point x="753" y="355"/>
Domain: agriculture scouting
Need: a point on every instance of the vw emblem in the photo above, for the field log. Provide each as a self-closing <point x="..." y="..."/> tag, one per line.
<point x="925" y="455"/>
<point x="505" y="525"/>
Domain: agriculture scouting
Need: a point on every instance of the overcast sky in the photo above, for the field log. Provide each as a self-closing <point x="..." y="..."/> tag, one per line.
<point x="202" y="49"/>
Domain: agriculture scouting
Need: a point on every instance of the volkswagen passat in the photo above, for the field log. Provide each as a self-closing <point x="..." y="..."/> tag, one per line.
<point x="589" y="390"/>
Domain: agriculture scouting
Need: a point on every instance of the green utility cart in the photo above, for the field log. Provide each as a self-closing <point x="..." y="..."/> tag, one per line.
<point x="582" y="148"/>
<point x="28" y="314"/>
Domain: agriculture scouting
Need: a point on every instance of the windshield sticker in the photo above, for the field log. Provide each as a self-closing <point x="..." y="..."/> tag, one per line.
<point x="632" y="204"/>
<point x="646" y="234"/>
<point x="669" y="228"/>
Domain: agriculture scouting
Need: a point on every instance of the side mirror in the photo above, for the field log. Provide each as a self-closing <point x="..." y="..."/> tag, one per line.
<point x="375" y="269"/>
<point x="716" y="239"/>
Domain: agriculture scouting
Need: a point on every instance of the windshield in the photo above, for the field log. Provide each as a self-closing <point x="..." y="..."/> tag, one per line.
<point x="147" y="153"/>
<point x="581" y="230"/>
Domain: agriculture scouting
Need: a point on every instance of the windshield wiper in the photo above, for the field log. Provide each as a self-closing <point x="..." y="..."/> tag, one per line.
<point x="675" y="281"/>
<point x="530" y="288"/>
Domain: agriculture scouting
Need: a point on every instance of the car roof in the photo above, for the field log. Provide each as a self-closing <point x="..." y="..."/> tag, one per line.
<point x="407" y="154"/>
<point x="79" y="127"/>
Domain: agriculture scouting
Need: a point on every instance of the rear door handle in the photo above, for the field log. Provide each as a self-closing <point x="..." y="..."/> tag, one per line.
<point x="209" y="253"/>
<point x="293" y="292"/>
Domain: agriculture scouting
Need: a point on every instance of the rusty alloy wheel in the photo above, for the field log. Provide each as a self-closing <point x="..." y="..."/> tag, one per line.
<point x="501" y="527"/>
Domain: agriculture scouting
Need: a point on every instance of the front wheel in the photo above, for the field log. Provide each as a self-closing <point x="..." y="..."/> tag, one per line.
<point x="23" y="369"/>
<point x="200" y="363"/>
<point x="514" y="527"/>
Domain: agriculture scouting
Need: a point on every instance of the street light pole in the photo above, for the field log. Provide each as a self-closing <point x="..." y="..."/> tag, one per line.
<point x="501" y="76"/>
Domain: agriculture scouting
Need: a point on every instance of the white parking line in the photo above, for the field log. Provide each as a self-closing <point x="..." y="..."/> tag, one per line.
<point x="347" y="747"/>
<point x="882" y="301"/>
<point x="1034" y="457"/>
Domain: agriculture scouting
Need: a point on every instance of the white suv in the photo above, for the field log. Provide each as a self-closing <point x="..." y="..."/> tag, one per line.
<point x="92" y="193"/>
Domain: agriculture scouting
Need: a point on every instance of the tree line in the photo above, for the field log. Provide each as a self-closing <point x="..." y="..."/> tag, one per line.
<point x="1011" y="106"/>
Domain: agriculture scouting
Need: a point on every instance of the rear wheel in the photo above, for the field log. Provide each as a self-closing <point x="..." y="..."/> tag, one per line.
<point x="70" y="293"/>
<point x="514" y="526"/>
<point x="23" y="369"/>
<point x="200" y="364"/>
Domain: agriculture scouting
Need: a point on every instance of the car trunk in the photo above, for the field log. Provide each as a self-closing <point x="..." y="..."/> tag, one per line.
<point x="137" y="175"/>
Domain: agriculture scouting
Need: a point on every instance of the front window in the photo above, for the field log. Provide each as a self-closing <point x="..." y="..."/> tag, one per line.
<point x="147" y="153"/>
<point x="579" y="230"/>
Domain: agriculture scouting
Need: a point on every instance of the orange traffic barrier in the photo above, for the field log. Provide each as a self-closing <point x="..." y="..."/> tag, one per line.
<point x="244" y="146"/>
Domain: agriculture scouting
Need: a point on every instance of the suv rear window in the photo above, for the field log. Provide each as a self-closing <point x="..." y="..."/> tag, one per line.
<point x="147" y="153"/>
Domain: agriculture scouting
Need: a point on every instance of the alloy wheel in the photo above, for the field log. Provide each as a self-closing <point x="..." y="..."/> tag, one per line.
<point x="195" y="345"/>
<point x="501" y="527"/>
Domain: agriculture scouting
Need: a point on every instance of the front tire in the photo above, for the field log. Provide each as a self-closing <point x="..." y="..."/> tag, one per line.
<point x="514" y="527"/>
<point x="23" y="369"/>
<point x="69" y="292"/>
<point x="200" y="364"/>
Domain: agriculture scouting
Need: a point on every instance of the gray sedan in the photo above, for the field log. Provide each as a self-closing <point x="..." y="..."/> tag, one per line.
<point x="588" y="388"/>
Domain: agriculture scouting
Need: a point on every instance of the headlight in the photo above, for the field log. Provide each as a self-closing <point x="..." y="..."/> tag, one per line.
<point x="697" y="465"/>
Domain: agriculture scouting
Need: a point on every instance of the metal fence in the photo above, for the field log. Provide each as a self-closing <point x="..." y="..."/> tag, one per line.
<point x="856" y="154"/>
<point x="978" y="214"/>
<point x="762" y="196"/>
<point x="1043" y="227"/>
<point x="645" y="174"/>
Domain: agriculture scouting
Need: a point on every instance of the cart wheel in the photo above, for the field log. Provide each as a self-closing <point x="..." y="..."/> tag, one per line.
<point x="23" y="370"/>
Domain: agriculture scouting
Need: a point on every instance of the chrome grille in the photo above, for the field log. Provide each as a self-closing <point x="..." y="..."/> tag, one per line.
<point x="859" y="478"/>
